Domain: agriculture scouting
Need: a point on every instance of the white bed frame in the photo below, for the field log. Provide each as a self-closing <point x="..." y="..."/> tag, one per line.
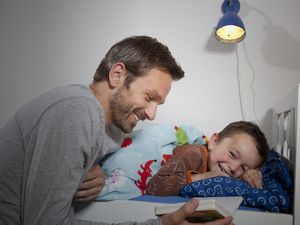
<point x="128" y="210"/>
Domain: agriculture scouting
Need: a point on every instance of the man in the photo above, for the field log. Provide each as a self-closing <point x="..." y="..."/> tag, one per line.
<point x="48" y="147"/>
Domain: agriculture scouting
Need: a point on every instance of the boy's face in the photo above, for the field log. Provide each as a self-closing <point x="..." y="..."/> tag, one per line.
<point x="140" y="100"/>
<point x="233" y="154"/>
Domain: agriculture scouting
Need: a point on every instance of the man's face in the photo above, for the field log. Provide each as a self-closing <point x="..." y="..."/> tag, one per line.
<point x="140" y="100"/>
<point x="233" y="154"/>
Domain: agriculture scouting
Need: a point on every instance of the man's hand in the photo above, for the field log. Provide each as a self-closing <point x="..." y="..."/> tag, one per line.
<point x="253" y="177"/>
<point x="91" y="186"/>
<point x="188" y="210"/>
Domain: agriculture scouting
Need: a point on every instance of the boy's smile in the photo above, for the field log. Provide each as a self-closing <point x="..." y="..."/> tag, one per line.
<point x="233" y="155"/>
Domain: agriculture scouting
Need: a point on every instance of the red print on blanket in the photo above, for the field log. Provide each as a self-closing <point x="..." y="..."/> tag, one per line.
<point x="166" y="157"/>
<point x="126" y="142"/>
<point x="141" y="183"/>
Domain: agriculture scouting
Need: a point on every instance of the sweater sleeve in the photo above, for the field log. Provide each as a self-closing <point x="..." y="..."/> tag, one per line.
<point x="58" y="154"/>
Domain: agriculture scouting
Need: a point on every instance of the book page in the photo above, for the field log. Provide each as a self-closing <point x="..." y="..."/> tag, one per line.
<point x="211" y="208"/>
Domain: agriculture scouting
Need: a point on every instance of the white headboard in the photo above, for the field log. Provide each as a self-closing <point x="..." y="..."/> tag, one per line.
<point x="286" y="138"/>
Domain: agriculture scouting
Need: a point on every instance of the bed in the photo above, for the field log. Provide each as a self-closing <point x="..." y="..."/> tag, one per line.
<point x="286" y="141"/>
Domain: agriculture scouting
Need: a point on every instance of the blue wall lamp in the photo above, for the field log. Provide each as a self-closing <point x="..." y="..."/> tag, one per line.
<point x="230" y="29"/>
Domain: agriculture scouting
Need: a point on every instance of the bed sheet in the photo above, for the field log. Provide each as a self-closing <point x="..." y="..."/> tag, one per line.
<point x="142" y="208"/>
<point x="179" y="199"/>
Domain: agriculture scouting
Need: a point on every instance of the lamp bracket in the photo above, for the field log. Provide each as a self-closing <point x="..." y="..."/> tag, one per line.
<point x="230" y="6"/>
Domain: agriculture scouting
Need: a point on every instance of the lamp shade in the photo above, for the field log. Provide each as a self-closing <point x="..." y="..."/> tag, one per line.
<point x="230" y="28"/>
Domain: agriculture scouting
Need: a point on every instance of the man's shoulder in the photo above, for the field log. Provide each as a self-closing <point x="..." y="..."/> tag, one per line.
<point x="70" y="91"/>
<point x="64" y="94"/>
<point x="71" y="97"/>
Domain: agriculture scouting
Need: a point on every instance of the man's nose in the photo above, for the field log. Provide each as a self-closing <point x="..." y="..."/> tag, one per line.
<point x="150" y="111"/>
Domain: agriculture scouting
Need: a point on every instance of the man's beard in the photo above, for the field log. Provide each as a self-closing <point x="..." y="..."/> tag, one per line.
<point x="121" y="111"/>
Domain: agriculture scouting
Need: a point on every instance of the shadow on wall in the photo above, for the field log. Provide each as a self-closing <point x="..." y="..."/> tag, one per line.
<point x="214" y="45"/>
<point x="286" y="52"/>
<point x="267" y="126"/>
<point x="279" y="48"/>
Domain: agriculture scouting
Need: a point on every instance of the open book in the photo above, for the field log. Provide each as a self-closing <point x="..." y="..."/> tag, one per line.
<point x="212" y="207"/>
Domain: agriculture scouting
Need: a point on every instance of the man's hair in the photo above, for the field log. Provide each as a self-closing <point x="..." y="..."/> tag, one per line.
<point x="248" y="128"/>
<point x="139" y="55"/>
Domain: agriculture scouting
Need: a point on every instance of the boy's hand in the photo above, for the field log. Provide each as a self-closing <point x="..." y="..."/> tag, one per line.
<point x="188" y="210"/>
<point x="253" y="177"/>
<point x="91" y="186"/>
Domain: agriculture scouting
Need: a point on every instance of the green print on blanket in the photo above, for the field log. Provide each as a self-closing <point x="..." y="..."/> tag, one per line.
<point x="182" y="137"/>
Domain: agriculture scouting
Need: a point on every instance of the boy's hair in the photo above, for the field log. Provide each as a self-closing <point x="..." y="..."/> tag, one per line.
<point x="251" y="129"/>
<point x="139" y="55"/>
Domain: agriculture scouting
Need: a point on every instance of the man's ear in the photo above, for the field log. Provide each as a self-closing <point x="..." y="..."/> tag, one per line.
<point x="117" y="74"/>
<point x="212" y="142"/>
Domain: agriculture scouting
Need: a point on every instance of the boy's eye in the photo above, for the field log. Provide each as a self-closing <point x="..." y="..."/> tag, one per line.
<point x="148" y="98"/>
<point x="245" y="168"/>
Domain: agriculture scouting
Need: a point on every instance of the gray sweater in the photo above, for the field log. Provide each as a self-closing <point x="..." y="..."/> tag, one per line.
<point x="46" y="149"/>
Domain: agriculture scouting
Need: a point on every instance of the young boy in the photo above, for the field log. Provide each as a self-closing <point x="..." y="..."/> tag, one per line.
<point x="239" y="147"/>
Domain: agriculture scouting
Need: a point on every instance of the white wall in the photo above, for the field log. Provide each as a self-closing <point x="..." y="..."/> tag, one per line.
<point x="44" y="44"/>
